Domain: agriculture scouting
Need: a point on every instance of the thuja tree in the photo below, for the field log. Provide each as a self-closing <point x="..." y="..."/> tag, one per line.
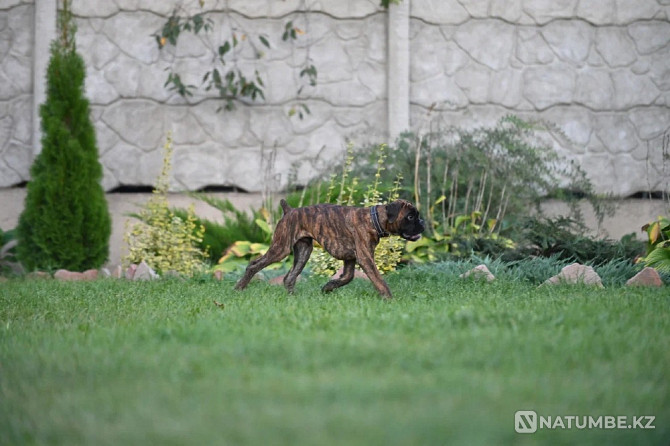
<point x="65" y="222"/>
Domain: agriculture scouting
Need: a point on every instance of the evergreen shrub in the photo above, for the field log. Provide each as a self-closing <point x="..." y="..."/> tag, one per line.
<point x="65" y="222"/>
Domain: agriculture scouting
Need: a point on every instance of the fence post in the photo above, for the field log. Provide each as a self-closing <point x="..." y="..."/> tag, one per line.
<point x="44" y="32"/>
<point x="398" y="68"/>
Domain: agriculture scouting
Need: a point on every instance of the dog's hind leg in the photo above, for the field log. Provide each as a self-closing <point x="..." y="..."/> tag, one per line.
<point x="301" y="252"/>
<point x="346" y="277"/>
<point x="276" y="253"/>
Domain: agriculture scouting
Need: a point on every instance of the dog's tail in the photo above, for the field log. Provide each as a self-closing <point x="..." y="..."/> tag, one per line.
<point x="285" y="207"/>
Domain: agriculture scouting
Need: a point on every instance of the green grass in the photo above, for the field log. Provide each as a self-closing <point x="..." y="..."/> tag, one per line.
<point x="446" y="362"/>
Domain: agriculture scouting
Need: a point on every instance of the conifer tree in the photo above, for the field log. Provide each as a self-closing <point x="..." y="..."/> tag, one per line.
<point x="65" y="222"/>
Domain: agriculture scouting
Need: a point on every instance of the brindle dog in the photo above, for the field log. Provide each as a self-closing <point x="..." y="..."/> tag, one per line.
<point x="347" y="233"/>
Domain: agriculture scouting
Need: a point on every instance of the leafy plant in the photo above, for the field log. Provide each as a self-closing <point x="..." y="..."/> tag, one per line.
<point x="237" y="225"/>
<point x="658" y="245"/>
<point x="225" y="77"/>
<point x="563" y="237"/>
<point x="499" y="174"/>
<point x="163" y="240"/>
<point x="65" y="222"/>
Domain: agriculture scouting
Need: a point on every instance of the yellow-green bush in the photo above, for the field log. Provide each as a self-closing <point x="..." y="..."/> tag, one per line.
<point x="162" y="239"/>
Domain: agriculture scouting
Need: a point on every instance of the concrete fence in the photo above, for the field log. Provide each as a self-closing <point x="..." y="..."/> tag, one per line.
<point x="598" y="69"/>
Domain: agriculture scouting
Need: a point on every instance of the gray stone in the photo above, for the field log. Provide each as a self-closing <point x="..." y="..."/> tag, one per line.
<point x="346" y="9"/>
<point x="547" y="86"/>
<point x="8" y="177"/>
<point x="505" y="88"/>
<point x="648" y="277"/>
<point x="474" y="82"/>
<point x="195" y="167"/>
<point x="629" y="176"/>
<point x="271" y="127"/>
<point x="223" y="128"/>
<point x="373" y="77"/>
<point x="136" y="121"/>
<point x="480" y="272"/>
<point x="333" y="62"/>
<point x="427" y="49"/>
<point x="20" y="21"/>
<point x="17" y="72"/>
<point x="576" y="123"/>
<point x="508" y="10"/>
<point x="651" y="122"/>
<point x="348" y="30"/>
<point x="475" y="38"/>
<point x="18" y="157"/>
<point x="629" y="11"/>
<point x="660" y="69"/>
<point x="576" y="274"/>
<point x="570" y="40"/>
<point x="631" y="90"/>
<point x="440" y="11"/>
<point x="616" y="132"/>
<point x="119" y="26"/>
<point x="438" y="90"/>
<point x="144" y="272"/>
<point x="98" y="89"/>
<point x="281" y="87"/>
<point x="595" y="89"/>
<point x="615" y="46"/>
<point x="650" y="36"/>
<point x="88" y="9"/>
<point x="543" y="11"/>
<point x="599" y="12"/>
<point x="532" y="49"/>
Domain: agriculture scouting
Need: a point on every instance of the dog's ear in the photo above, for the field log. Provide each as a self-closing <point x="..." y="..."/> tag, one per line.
<point x="392" y="211"/>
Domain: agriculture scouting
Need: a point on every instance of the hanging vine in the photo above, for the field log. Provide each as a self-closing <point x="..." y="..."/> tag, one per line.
<point x="224" y="76"/>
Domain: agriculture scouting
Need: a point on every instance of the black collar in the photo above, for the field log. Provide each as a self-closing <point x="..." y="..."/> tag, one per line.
<point x="375" y="222"/>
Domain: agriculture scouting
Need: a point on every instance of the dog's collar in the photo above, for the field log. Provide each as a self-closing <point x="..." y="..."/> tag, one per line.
<point x="375" y="221"/>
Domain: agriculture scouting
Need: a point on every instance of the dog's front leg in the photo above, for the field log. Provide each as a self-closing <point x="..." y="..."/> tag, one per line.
<point x="366" y="259"/>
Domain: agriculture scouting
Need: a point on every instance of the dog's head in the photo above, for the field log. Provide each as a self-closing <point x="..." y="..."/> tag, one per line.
<point x="404" y="220"/>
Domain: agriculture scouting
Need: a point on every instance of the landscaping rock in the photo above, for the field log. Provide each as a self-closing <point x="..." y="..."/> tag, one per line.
<point x="575" y="274"/>
<point x="479" y="272"/>
<point x="38" y="275"/>
<point x="90" y="274"/>
<point x="117" y="272"/>
<point x="73" y="276"/>
<point x="144" y="272"/>
<point x="279" y="280"/>
<point x="130" y="272"/>
<point x="218" y="275"/>
<point x="647" y="277"/>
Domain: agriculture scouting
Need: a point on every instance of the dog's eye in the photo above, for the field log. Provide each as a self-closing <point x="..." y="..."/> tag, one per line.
<point x="410" y="217"/>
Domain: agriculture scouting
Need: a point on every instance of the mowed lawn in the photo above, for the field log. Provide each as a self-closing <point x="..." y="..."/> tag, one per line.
<point x="446" y="362"/>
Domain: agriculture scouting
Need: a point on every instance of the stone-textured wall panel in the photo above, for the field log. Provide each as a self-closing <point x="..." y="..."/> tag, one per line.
<point x="650" y="36"/>
<point x="545" y="11"/>
<point x="569" y="40"/>
<point x="615" y="46"/>
<point x="16" y="79"/>
<point x="598" y="69"/>
<point x="440" y="11"/>
<point x="475" y="37"/>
